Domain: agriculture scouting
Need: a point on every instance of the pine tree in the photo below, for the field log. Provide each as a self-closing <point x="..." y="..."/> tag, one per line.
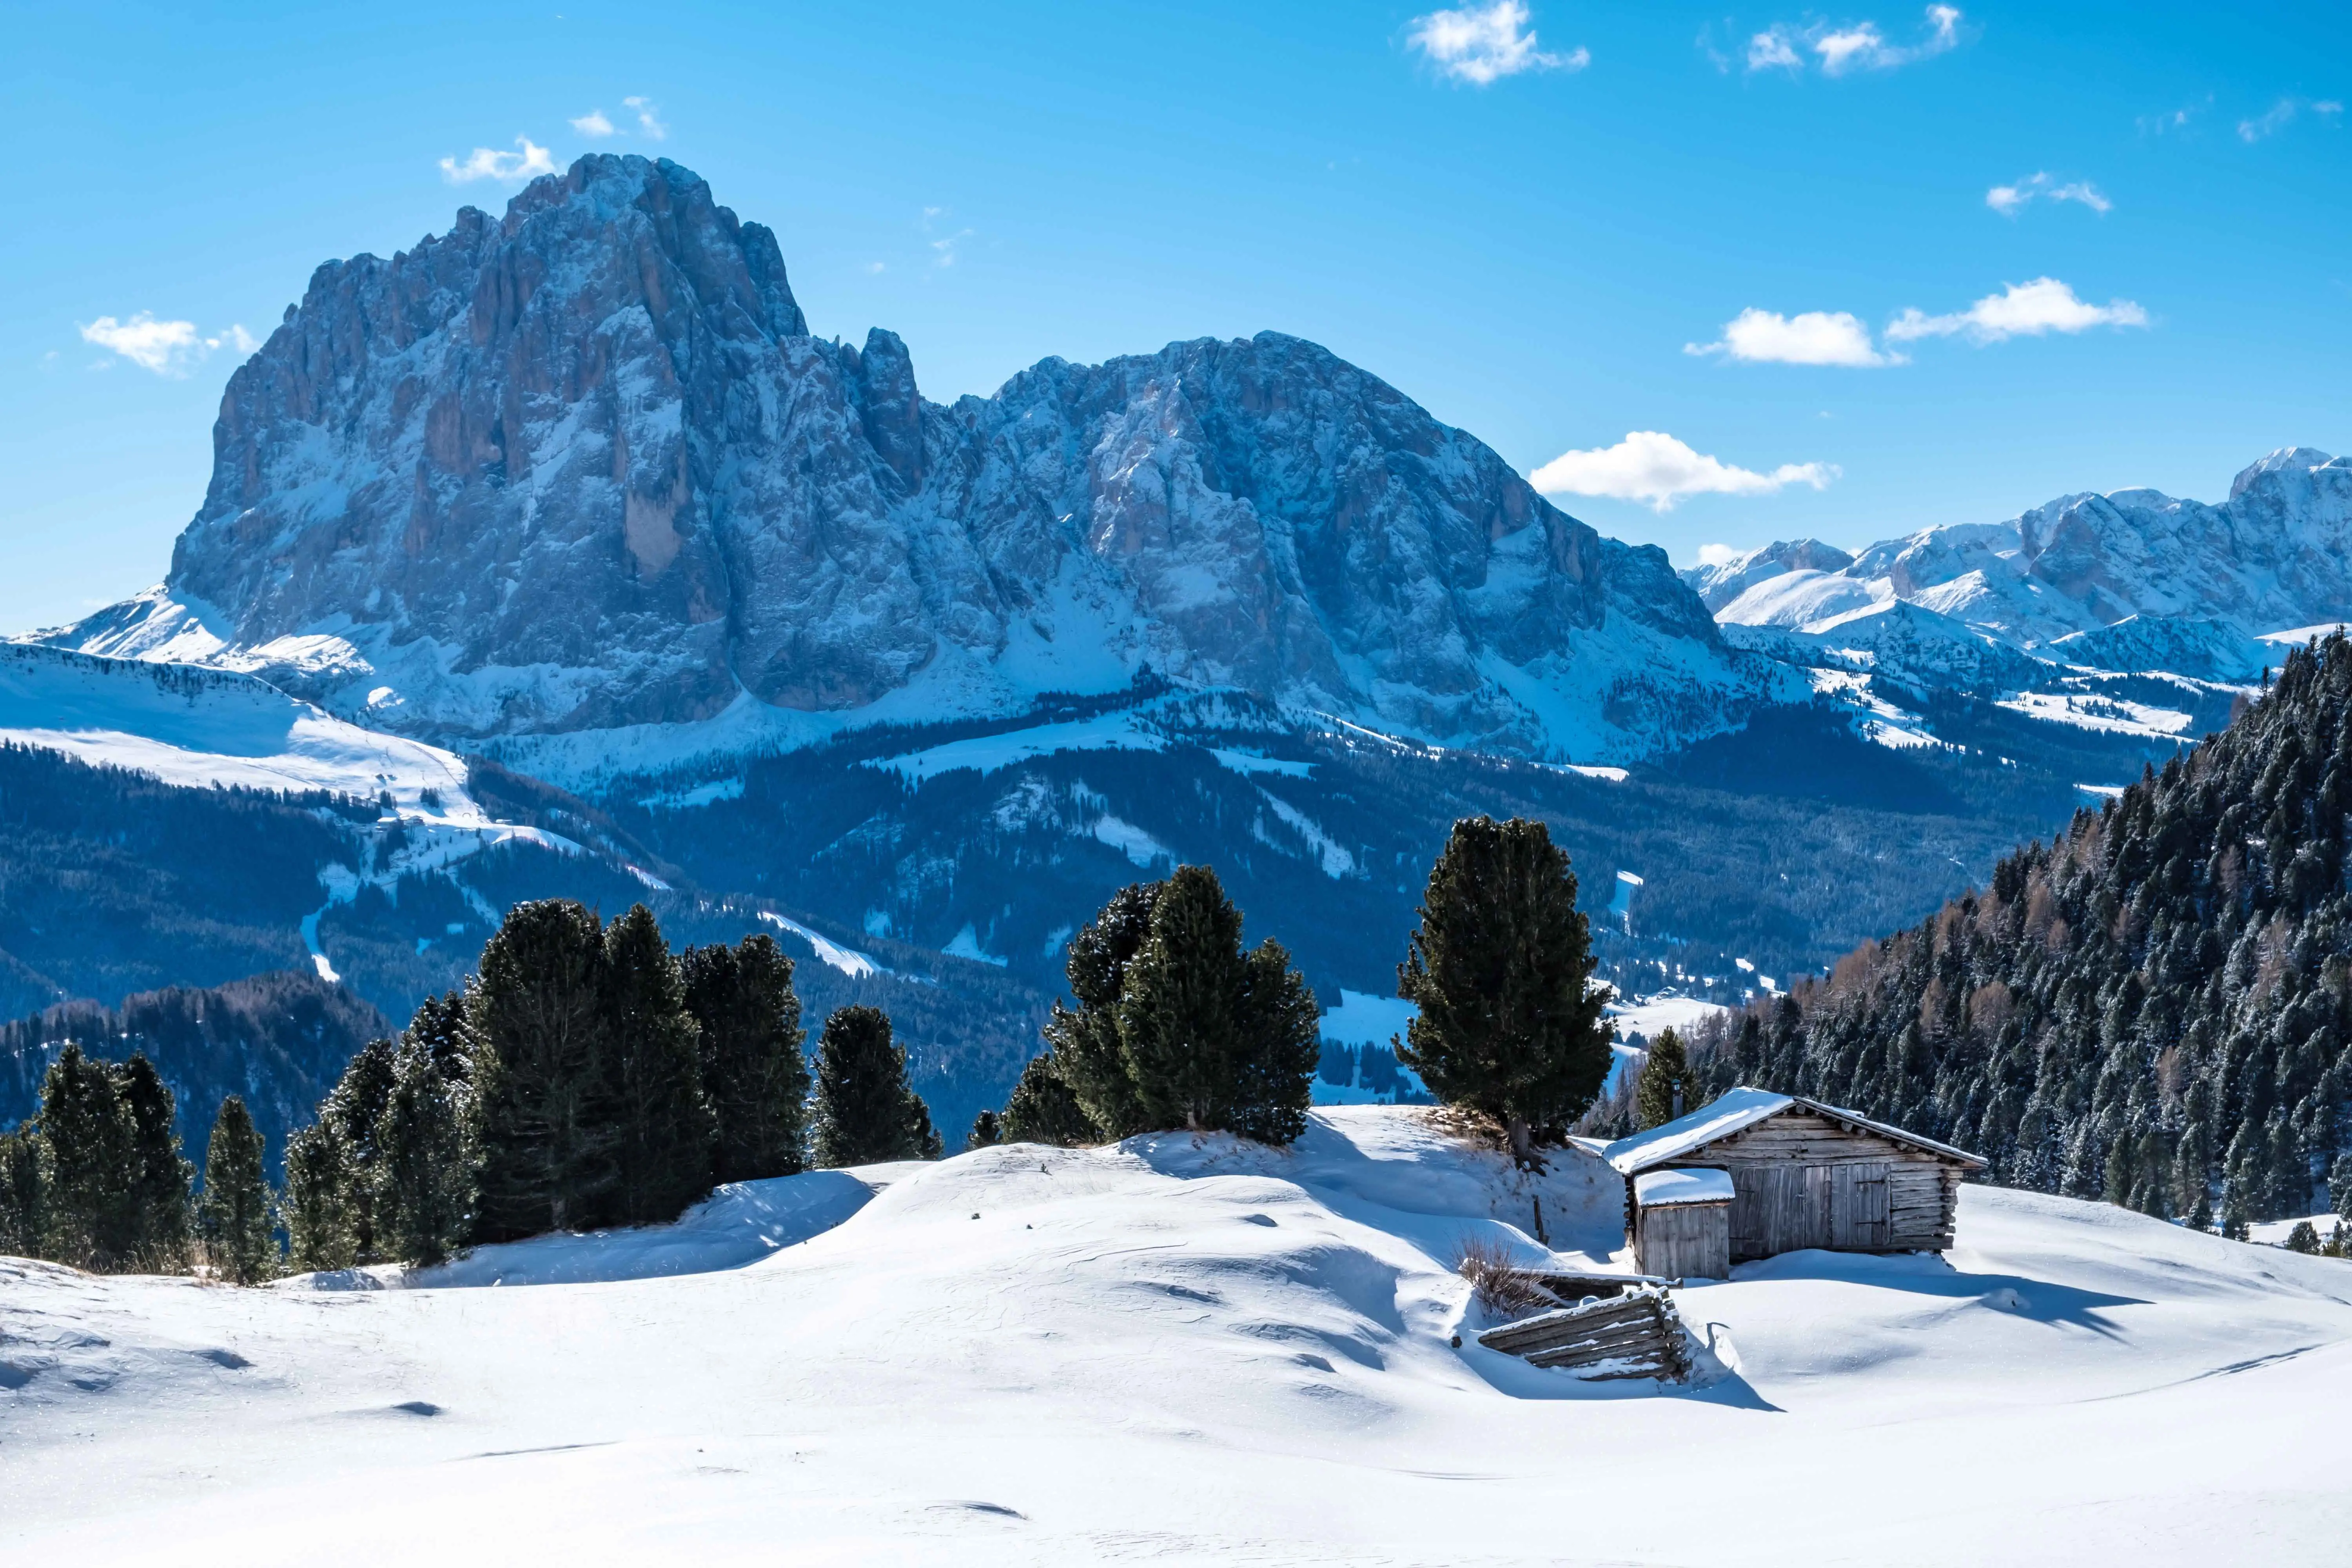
<point x="1042" y="1110"/>
<point x="24" y="1194"/>
<point x="94" y="1216"/>
<point x="234" y="1214"/>
<point x="865" y="1111"/>
<point x="1089" y="1054"/>
<point x="986" y="1133"/>
<point x="654" y="1058"/>
<point x="318" y="1178"/>
<point x="2304" y="1237"/>
<point x="1509" y="1025"/>
<point x="1665" y="1090"/>
<point x="1216" y="1038"/>
<point x="160" y="1178"/>
<point x="441" y="1026"/>
<point x="752" y="1069"/>
<point x="427" y="1159"/>
<point x="354" y="1107"/>
<point x="549" y="1134"/>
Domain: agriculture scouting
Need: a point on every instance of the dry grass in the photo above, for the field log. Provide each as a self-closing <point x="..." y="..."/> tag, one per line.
<point x="1498" y="1284"/>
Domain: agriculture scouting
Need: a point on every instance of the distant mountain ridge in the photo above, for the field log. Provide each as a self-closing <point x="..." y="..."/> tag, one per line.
<point x="2135" y="580"/>
<point x="583" y="467"/>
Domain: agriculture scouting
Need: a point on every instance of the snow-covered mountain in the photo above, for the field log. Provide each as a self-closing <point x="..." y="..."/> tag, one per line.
<point x="585" y="467"/>
<point x="2135" y="580"/>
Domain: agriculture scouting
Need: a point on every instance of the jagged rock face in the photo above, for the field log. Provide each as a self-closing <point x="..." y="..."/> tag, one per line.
<point x="584" y="467"/>
<point x="1719" y="582"/>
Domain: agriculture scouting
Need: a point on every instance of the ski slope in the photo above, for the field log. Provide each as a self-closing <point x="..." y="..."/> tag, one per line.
<point x="1185" y="1350"/>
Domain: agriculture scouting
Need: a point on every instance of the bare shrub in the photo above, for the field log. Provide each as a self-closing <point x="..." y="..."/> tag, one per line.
<point x="1497" y="1283"/>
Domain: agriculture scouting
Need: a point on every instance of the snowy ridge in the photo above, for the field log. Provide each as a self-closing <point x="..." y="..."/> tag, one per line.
<point x="1205" y="1353"/>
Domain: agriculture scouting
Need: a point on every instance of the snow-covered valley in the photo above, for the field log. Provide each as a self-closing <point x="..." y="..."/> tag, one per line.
<point x="1187" y="1350"/>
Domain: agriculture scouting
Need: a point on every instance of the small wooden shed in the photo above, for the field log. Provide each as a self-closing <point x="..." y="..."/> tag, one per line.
<point x="1803" y="1175"/>
<point x="1682" y="1222"/>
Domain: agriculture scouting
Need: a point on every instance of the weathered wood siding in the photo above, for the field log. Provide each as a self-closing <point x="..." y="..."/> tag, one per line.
<point x="1801" y="1180"/>
<point x="1684" y="1241"/>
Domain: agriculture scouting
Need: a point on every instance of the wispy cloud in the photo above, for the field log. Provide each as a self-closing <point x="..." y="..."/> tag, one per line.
<point x="2280" y="115"/>
<point x="1654" y="468"/>
<point x="2020" y="310"/>
<point x="2010" y="200"/>
<point x="1859" y="47"/>
<point x="488" y="163"/>
<point x="1482" y="43"/>
<point x="166" y="348"/>
<point x="593" y="124"/>
<point x="649" y="120"/>
<point x="944" y="246"/>
<point x="1718" y="554"/>
<point x="1810" y="337"/>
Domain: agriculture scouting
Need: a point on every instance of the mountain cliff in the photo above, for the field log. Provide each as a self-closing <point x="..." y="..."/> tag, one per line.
<point x="584" y="467"/>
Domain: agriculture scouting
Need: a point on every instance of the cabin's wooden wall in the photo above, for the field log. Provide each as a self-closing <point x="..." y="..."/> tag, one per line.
<point x="1684" y="1241"/>
<point x="1802" y="1180"/>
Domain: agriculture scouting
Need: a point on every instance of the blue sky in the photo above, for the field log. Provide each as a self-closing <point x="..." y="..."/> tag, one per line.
<point x="1724" y="275"/>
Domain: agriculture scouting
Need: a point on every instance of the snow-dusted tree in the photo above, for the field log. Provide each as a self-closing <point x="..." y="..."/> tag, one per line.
<point x="987" y="1132"/>
<point x="354" y="1109"/>
<point x="23" y="1192"/>
<point x="1500" y="968"/>
<point x="653" y="1058"/>
<point x="94" y="1214"/>
<point x="865" y="1111"/>
<point x="752" y="1069"/>
<point x="1216" y="1038"/>
<point x="1042" y="1110"/>
<point x="234" y="1218"/>
<point x="1665" y="1086"/>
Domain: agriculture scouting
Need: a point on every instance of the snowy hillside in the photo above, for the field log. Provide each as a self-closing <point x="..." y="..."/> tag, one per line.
<point x="1182" y="1350"/>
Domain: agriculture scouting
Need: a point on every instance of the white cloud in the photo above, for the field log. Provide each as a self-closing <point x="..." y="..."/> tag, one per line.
<point x="2010" y="200"/>
<point x="1857" y="46"/>
<point x="487" y="163"/>
<point x="648" y="118"/>
<point x="593" y="124"/>
<point x="2281" y="114"/>
<point x="1484" y="44"/>
<point x="167" y="348"/>
<point x="1652" y="468"/>
<point x="878" y="266"/>
<point x="1716" y="554"/>
<point x="1810" y="337"/>
<point x="2020" y="310"/>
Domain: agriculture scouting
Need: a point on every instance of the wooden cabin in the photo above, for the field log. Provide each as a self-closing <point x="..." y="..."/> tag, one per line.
<point x="1682" y="1222"/>
<point x="1803" y="1175"/>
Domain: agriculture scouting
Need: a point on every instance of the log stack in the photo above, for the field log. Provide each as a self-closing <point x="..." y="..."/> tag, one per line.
<point x="1637" y="1334"/>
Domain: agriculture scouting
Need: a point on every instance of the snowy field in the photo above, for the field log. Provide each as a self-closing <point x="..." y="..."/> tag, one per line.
<point x="1182" y="1350"/>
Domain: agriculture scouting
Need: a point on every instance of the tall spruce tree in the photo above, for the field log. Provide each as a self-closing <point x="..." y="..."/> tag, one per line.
<point x="427" y="1158"/>
<point x="23" y="1192"/>
<point x="865" y="1111"/>
<point x="549" y="1137"/>
<point x="752" y="1069"/>
<point x="1666" y="1088"/>
<point x="354" y="1109"/>
<point x="160" y="1178"/>
<point x="1088" y="1051"/>
<point x="1042" y="1110"/>
<point x="91" y="1139"/>
<point x="654" y="1058"/>
<point x="1216" y="1038"/>
<point x="1508" y="1023"/>
<point x="318" y="1208"/>
<point x="234" y="1216"/>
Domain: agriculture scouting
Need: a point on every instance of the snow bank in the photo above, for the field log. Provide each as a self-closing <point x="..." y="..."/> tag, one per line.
<point x="1193" y="1349"/>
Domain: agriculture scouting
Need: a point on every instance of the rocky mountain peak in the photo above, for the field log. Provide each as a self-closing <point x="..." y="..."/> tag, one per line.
<point x="583" y="466"/>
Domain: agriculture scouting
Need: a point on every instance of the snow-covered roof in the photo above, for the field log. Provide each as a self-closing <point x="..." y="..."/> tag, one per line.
<point x="1660" y="1189"/>
<point x="1736" y="1111"/>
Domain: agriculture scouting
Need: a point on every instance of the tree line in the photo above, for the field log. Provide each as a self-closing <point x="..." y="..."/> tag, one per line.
<point x="2155" y="1008"/>
<point x="586" y="1076"/>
